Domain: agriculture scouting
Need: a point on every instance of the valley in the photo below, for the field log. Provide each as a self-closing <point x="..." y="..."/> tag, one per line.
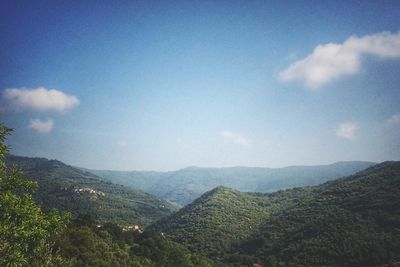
<point x="185" y="185"/>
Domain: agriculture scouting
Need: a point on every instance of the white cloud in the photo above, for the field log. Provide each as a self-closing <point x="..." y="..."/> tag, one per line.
<point x="395" y="118"/>
<point x="39" y="99"/>
<point x="235" y="138"/>
<point x="346" y="130"/>
<point x="41" y="126"/>
<point x="331" y="61"/>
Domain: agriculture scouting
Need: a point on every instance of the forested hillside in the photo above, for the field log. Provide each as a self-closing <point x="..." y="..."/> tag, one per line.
<point x="70" y="189"/>
<point x="354" y="221"/>
<point x="185" y="185"/>
<point x="84" y="243"/>
<point x="222" y="218"/>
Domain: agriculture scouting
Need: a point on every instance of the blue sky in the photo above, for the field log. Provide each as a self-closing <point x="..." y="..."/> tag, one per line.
<point x="161" y="85"/>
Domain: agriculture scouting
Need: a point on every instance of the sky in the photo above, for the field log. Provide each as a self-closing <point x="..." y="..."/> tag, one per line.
<point x="162" y="85"/>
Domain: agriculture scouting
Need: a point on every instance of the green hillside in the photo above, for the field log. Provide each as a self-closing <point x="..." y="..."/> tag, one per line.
<point x="354" y="221"/>
<point x="185" y="185"/>
<point x="70" y="189"/>
<point x="222" y="218"/>
<point x="86" y="244"/>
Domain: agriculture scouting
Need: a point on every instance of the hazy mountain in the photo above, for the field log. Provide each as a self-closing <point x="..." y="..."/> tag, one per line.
<point x="70" y="189"/>
<point x="185" y="185"/>
<point x="353" y="221"/>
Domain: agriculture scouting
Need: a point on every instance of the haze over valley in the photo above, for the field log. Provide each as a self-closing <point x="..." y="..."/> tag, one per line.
<point x="185" y="185"/>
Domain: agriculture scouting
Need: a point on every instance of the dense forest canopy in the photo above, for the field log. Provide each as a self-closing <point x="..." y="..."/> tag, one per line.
<point x="353" y="221"/>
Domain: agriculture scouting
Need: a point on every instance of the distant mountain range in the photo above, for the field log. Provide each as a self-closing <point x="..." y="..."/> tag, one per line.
<point x="352" y="221"/>
<point x="70" y="189"/>
<point x="185" y="185"/>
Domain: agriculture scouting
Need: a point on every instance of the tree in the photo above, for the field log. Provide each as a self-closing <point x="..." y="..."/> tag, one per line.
<point x="27" y="234"/>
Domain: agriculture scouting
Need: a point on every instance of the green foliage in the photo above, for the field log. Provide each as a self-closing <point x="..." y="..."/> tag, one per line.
<point x="221" y="219"/>
<point x="354" y="221"/>
<point x="350" y="222"/>
<point x="27" y="234"/>
<point x="30" y="237"/>
<point x="87" y="244"/>
<point x="185" y="185"/>
<point x="58" y="185"/>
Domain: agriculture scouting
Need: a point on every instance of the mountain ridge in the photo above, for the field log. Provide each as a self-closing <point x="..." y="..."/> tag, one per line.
<point x="351" y="221"/>
<point x="184" y="185"/>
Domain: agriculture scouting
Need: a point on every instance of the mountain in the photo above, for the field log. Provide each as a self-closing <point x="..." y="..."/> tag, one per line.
<point x="185" y="185"/>
<point x="70" y="189"/>
<point x="352" y="221"/>
<point x="223" y="217"/>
